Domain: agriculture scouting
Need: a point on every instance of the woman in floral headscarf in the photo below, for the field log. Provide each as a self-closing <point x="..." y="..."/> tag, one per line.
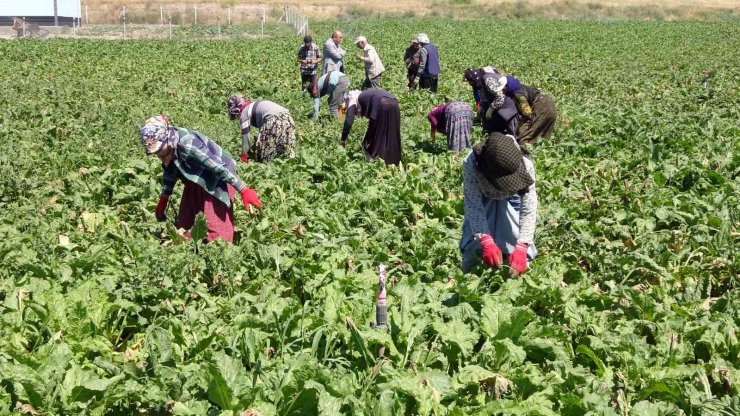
<point x="500" y="206"/>
<point x="277" y="128"/>
<point x="207" y="172"/>
<point x="495" y="109"/>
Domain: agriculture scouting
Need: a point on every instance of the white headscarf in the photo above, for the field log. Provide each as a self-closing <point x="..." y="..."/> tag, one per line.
<point x="352" y="99"/>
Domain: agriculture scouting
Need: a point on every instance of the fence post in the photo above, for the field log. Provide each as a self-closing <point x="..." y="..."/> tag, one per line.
<point x="24" y="27"/>
<point x="170" y="27"/>
<point x="161" y="15"/>
<point x="124" y="22"/>
<point x="87" y="16"/>
<point x="229" y="14"/>
<point x="262" y="24"/>
<point x="218" y="23"/>
<point x="195" y="13"/>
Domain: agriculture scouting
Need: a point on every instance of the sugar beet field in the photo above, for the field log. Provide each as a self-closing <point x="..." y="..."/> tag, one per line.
<point x="631" y="307"/>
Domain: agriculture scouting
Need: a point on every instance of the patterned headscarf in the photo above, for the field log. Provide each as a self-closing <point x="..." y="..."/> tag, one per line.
<point x="474" y="76"/>
<point x="235" y="105"/>
<point x="155" y="134"/>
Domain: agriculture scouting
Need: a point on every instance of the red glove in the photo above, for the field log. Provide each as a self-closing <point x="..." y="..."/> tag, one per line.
<point x="244" y="157"/>
<point x="491" y="253"/>
<point x="250" y="197"/>
<point x="518" y="259"/>
<point x="161" y="206"/>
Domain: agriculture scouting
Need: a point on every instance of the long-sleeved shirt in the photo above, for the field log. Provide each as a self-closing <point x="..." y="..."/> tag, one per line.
<point x="310" y="54"/>
<point x="333" y="56"/>
<point x="476" y="186"/>
<point x="437" y="118"/>
<point x="255" y="115"/>
<point x="373" y="66"/>
<point x="524" y="97"/>
<point x="368" y="105"/>
<point x="199" y="159"/>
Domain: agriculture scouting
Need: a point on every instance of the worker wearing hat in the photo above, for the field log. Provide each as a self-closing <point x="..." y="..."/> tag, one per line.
<point x="373" y="66"/>
<point x="500" y="206"/>
<point x="309" y="57"/>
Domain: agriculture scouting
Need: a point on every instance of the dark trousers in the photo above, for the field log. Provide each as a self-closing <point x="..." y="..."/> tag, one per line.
<point x="428" y="82"/>
<point x="310" y="84"/>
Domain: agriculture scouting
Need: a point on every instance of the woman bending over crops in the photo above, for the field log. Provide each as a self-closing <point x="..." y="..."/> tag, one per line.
<point x="454" y="120"/>
<point x="500" y="205"/>
<point x="207" y="171"/>
<point x="536" y="109"/>
<point x="383" y="135"/>
<point x="277" y="129"/>
<point x="495" y="109"/>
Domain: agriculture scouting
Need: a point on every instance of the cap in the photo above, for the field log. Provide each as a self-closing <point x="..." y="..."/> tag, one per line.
<point x="360" y="39"/>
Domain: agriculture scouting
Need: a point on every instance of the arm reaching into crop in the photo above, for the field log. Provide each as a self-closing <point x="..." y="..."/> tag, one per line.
<point x="348" y="121"/>
<point x="169" y="178"/>
<point x="473" y="198"/>
<point x="245" y="136"/>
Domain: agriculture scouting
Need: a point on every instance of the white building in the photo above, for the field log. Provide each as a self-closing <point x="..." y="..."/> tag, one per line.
<point x="44" y="12"/>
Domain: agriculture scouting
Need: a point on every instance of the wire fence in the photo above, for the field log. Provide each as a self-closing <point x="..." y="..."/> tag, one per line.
<point x="295" y="19"/>
<point x="181" y="21"/>
<point x="180" y="14"/>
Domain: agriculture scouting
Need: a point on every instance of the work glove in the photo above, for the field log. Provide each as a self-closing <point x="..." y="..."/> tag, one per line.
<point x="415" y="82"/>
<point x="250" y="197"/>
<point x="244" y="157"/>
<point x="161" y="206"/>
<point x="491" y="253"/>
<point x="518" y="260"/>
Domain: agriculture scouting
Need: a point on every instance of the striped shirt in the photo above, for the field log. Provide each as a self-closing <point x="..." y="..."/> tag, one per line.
<point x="200" y="160"/>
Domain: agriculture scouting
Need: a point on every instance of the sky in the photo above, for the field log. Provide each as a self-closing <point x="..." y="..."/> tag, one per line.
<point x="22" y="8"/>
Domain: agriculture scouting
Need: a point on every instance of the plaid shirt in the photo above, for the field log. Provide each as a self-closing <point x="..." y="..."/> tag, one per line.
<point x="311" y="53"/>
<point x="200" y="160"/>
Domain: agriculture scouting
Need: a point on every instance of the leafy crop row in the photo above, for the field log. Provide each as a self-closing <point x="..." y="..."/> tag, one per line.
<point x="631" y="307"/>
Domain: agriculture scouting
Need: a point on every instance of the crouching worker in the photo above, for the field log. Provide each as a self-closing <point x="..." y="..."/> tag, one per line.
<point x="334" y="84"/>
<point x="276" y="128"/>
<point x="206" y="170"/>
<point x="500" y="206"/>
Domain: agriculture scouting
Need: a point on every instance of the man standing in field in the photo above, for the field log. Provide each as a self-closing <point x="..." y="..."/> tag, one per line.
<point x="373" y="67"/>
<point x="429" y="68"/>
<point x="333" y="53"/>
<point x="411" y="60"/>
<point x="309" y="56"/>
